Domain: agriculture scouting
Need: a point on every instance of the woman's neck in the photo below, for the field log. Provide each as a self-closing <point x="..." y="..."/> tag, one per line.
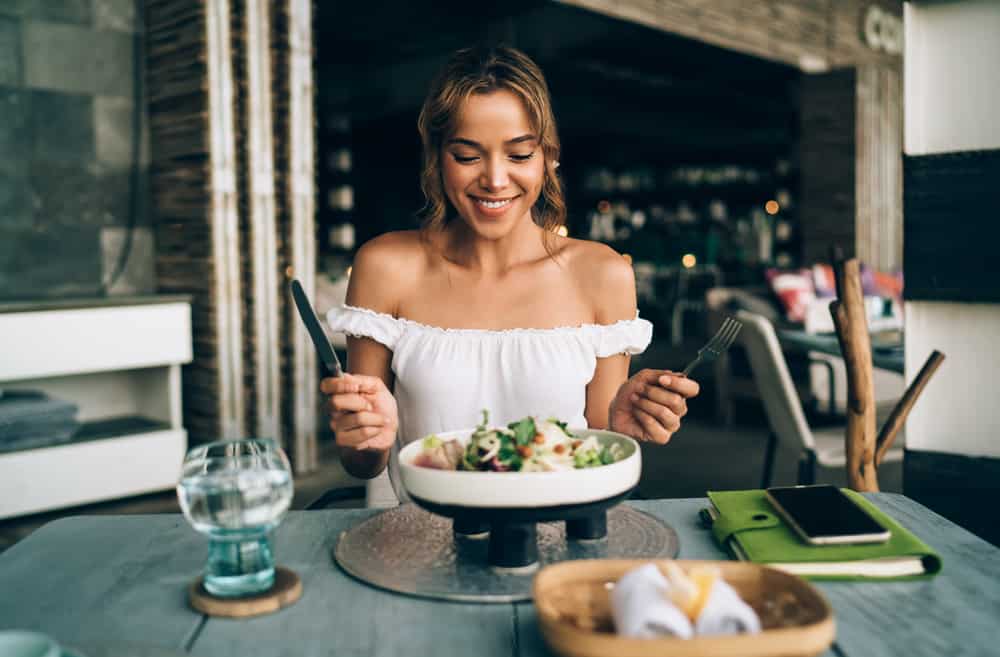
<point x="493" y="257"/>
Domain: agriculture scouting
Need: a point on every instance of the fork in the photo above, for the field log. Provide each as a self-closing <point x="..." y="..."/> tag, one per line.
<point x="722" y="340"/>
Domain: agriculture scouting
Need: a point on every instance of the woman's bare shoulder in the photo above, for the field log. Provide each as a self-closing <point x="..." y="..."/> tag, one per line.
<point x="596" y="263"/>
<point x="605" y="277"/>
<point x="385" y="268"/>
<point x="405" y="244"/>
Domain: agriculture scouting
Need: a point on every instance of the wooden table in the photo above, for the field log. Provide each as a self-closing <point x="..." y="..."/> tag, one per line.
<point x="99" y="582"/>
<point x="886" y="357"/>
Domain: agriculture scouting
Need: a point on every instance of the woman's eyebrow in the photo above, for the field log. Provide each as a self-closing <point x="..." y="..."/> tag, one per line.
<point x="522" y="138"/>
<point x="476" y="144"/>
<point x="465" y="142"/>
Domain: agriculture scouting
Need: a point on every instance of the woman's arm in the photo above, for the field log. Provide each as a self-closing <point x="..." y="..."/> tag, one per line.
<point x="649" y="406"/>
<point x="609" y="283"/>
<point x="610" y="374"/>
<point x="363" y="411"/>
<point x="367" y="357"/>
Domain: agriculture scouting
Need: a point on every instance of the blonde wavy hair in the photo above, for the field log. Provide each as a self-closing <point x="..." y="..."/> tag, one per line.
<point x="482" y="71"/>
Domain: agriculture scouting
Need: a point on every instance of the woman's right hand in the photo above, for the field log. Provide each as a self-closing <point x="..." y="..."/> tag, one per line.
<point x="363" y="413"/>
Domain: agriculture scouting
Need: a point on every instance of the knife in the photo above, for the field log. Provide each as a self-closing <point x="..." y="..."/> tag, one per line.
<point x="326" y="353"/>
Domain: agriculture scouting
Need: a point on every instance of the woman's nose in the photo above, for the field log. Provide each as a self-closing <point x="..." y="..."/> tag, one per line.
<point x="494" y="175"/>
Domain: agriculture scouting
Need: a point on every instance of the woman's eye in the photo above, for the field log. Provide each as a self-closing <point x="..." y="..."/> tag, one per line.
<point x="464" y="159"/>
<point x="517" y="157"/>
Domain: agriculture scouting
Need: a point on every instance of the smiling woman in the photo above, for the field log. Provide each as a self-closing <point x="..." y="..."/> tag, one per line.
<point x="488" y="306"/>
<point x="485" y="108"/>
<point x="494" y="179"/>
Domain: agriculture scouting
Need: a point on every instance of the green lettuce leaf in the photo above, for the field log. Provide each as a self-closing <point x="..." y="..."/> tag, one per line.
<point x="524" y="430"/>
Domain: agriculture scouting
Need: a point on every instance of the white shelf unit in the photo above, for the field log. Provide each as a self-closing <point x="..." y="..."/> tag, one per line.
<point x="121" y="365"/>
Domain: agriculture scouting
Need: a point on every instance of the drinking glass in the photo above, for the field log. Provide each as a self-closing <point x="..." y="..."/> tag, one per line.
<point x="235" y="492"/>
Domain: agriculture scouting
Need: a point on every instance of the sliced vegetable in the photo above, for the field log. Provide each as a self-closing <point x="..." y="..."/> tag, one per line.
<point x="525" y="445"/>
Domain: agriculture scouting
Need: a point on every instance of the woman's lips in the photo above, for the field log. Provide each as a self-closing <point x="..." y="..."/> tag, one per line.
<point x="492" y="207"/>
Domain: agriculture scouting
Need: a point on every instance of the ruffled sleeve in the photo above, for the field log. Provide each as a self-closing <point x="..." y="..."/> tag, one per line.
<point x="629" y="336"/>
<point x="365" y="323"/>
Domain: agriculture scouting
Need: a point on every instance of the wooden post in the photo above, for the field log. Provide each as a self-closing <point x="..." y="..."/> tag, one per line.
<point x="855" y="343"/>
<point x="905" y="404"/>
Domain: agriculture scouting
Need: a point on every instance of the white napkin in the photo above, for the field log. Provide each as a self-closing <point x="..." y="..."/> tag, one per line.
<point x="642" y="609"/>
<point x="726" y="613"/>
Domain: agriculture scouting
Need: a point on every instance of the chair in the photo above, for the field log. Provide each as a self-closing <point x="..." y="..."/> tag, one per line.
<point x="823" y="448"/>
<point x="732" y="376"/>
<point x="686" y="299"/>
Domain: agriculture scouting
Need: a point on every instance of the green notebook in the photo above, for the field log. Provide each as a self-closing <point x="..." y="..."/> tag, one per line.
<point x="745" y="523"/>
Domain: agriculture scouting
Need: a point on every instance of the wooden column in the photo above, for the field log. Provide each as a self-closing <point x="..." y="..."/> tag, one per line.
<point x="878" y="178"/>
<point x="231" y="98"/>
<point x="193" y="179"/>
<point x="259" y="217"/>
<point x="294" y="138"/>
<point x="827" y="163"/>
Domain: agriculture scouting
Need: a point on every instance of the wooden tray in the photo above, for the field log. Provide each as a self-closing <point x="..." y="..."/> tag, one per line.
<point x="574" y="613"/>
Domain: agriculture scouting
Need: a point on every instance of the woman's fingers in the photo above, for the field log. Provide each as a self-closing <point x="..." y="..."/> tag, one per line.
<point x="361" y="420"/>
<point x="657" y="401"/>
<point x="670" y="380"/>
<point x="349" y="384"/>
<point x="668" y="398"/>
<point x="379" y="441"/>
<point x="356" y="438"/>
<point x="348" y="403"/>
<point x="653" y="430"/>
<point x="349" y="393"/>
<point x="663" y="415"/>
<point x="682" y="385"/>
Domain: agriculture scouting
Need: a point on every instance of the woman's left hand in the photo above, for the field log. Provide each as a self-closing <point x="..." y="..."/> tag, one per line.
<point x="650" y="405"/>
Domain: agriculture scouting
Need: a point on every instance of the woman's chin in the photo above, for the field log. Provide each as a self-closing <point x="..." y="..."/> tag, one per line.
<point x="493" y="225"/>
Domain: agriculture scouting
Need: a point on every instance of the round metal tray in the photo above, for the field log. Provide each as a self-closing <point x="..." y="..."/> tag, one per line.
<point x="411" y="551"/>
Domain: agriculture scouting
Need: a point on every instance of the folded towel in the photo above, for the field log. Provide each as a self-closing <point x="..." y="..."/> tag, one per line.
<point x="29" y="417"/>
<point x="45" y="436"/>
<point x="641" y="606"/>
<point x="31" y="406"/>
<point x="726" y="613"/>
<point x="647" y="604"/>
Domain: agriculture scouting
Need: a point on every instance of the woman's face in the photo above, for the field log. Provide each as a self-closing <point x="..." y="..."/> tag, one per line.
<point x="493" y="166"/>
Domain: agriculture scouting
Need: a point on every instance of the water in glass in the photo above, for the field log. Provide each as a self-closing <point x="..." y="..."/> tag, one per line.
<point x="236" y="492"/>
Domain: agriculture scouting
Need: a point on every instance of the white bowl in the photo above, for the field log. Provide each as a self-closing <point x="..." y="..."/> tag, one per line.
<point x="522" y="490"/>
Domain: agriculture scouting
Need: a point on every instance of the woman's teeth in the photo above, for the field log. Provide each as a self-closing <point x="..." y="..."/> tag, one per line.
<point x="493" y="205"/>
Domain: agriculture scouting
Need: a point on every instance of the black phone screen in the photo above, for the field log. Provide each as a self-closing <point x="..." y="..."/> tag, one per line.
<point x="824" y="511"/>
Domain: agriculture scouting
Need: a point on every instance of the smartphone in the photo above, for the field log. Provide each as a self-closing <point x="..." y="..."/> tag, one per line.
<point x="824" y="515"/>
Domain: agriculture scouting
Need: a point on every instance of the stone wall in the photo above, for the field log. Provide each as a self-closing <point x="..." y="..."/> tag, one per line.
<point x="73" y="153"/>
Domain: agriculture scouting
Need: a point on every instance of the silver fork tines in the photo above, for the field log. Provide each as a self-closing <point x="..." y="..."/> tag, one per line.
<point x="722" y="340"/>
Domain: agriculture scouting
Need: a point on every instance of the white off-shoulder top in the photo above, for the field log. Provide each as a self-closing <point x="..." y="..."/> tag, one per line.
<point x="444" y="378"/>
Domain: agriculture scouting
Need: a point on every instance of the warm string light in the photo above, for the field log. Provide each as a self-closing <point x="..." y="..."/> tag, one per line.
<point x="562" y="230"/>
<point x="689" y="260"/>
<point x="772" y="207"/>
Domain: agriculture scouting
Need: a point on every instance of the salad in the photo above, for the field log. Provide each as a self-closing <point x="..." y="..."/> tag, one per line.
<point x="528" y="445"/>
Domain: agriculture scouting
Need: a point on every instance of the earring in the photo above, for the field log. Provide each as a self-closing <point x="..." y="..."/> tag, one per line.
<point x="555" y="164"/>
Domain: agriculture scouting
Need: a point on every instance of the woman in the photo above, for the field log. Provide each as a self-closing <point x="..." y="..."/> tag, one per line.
<point x="487" y="306"/>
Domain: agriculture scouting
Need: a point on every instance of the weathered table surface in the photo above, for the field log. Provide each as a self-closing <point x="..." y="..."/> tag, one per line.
<point x="109" y="585"/>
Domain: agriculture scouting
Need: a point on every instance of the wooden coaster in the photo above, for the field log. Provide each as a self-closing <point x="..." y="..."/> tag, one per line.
<point x="286" y="590"/>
